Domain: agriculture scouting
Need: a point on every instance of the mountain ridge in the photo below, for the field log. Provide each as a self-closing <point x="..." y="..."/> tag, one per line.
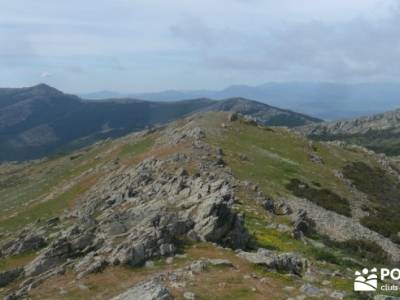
<point x="325" y="100"/>
<point x="380" y="132"/>
<point x="41" y="120"/>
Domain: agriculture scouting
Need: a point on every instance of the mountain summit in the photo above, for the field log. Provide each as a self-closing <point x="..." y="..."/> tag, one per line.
<point x="44" y="89"/>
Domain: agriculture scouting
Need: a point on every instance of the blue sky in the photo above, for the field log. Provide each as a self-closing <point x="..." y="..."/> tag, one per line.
<point x="137" y="46"/>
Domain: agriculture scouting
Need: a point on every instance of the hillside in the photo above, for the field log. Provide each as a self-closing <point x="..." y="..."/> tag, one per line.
<point x="325" y="100"/>
<point x="159" y="212"/>
<point x="41" y="121"/>
<point x="263" y="113"/>
<point x="380" y="132"/>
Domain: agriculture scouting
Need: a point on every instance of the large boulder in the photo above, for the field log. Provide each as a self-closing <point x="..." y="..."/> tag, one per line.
<point x="151" y="290"/>
<point x="302" y="225"/>
<point x="273" y="206"/>
<point x="283" y="262"/>
<point x="216" y="222"/>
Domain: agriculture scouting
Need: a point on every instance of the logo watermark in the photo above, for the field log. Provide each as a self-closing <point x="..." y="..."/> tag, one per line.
<point x="367" y="280"/>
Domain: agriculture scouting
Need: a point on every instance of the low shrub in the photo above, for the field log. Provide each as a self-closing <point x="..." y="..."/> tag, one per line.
<point x="320" y="196"/>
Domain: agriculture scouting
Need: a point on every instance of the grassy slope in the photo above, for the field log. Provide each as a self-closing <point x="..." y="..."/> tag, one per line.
<point x="276" y="156"/>
<point x="43" y="190"/>
<point x="273" y="158"/>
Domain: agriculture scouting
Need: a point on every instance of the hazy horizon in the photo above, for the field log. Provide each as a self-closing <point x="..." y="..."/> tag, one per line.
<point x="205" y="89"/>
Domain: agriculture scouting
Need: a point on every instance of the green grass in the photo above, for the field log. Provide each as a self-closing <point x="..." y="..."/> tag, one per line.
<point x="236" y="294"/>
<point x="325" y="255"/>
<point x="276" y="156"/>
<point x="21" y="202"/>
<point x="16" y="261"/>
<point x="136" y="148"/>
<point x="42" y="178"/>
<point x="270" y="238"/>
<point x="44" y="210"/>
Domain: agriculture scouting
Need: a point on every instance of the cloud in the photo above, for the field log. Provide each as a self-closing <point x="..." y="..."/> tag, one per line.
<point x="45" y="74"/>
<point x="155" y="44"/>
<point x="15" y="49"/>
<point x="356" y="49"/>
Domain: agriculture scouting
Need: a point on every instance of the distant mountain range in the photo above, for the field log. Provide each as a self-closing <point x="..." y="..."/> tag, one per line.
<point x="40" y="120"/>
<point x="329" y="101"/>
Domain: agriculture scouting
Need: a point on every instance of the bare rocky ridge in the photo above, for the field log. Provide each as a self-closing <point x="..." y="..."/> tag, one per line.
<point x="341" y="228"/>
<point x="388" y="120"/>
<point x="378" y="132"/>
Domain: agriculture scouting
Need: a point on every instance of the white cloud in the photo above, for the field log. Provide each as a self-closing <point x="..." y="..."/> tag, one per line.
<point x="359" y="49"/>
<point x="45" y="74"/>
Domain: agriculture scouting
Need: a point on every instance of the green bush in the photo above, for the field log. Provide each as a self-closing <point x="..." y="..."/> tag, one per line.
<point x="320" y="196"/>
<point x="325" y="255"/>
<point x="360" y="248"/>
<point x="384" y="191"/>
<point x="375" y="182"/>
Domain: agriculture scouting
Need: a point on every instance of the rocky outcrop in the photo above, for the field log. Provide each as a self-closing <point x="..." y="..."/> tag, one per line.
<point x="274" y="206"/>
<point x="302" y="225"/>
<point x="379" y="122"/>
<point x="339" y="227"/>
<point x="7" y="277"/>
<point x="151" y="290"/>
<point x="379" y="133"/>
<point x="144" y="213"/>
<point x="283" y="262"/>
<point x="216" y="222"/>
<point x="74" y="243"/>
<point x="25" y="242"/>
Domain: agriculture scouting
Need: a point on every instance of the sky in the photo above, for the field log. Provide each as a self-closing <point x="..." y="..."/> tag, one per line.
<point x="152" y="45"/>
